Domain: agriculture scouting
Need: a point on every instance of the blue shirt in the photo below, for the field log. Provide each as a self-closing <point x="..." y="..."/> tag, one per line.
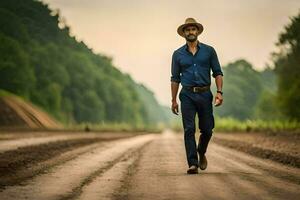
<point x="194" y="70"/>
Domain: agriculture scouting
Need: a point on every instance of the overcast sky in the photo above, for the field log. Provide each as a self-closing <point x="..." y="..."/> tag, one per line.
<point x="141" y="35"/>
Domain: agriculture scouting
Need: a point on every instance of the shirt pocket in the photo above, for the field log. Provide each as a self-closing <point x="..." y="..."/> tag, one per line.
<point x="203" y="61"/>
<point x="187" y="69"/>
<point x="202" y="73"/>
<point x="202" y="69"/>
<point x="185" y="63"/>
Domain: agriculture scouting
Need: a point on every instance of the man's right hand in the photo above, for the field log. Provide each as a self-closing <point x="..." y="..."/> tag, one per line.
<point x="175" y="107"/>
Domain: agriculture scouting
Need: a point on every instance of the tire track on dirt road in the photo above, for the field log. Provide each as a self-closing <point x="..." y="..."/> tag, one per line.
<point x="65" y="181"/>
<point x="112" y="183"/>
<point x="14" y="144"/>
<point x="28" y="161"/>
<point x="25" y="163"/>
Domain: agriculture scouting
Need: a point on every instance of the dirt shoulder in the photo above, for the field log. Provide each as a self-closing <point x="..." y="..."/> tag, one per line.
<point x="279" y="147"/>
<point x="23" y="163"/>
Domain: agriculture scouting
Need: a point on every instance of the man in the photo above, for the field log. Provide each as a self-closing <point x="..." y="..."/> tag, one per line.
<point x="191" y="66"/>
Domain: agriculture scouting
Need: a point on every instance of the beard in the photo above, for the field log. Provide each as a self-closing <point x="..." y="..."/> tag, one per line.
<point x="191" y="38"/>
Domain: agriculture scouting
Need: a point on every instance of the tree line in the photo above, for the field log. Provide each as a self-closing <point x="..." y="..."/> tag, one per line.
<point x="41" y="62"/>
<point x="272" y="93"/>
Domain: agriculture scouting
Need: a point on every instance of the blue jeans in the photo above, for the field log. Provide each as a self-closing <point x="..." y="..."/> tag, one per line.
<point x="200" y="103"/>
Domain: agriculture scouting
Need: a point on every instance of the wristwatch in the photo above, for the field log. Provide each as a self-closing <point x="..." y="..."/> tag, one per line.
<point x="219" y="91"/>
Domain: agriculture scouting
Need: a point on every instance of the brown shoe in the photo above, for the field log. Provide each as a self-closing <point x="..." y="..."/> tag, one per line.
<point x="193" y="170"/>
<point x="203" y="162"/>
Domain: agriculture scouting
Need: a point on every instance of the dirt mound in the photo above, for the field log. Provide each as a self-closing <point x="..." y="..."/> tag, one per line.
<point x="16" y="113"/>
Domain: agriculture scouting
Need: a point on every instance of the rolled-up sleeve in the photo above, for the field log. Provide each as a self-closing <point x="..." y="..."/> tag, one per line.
<point x="214" y="63"/>
<point x="175" y="69"/>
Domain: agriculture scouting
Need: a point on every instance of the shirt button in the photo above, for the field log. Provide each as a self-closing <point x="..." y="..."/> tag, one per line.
<point x="194" y="64"/>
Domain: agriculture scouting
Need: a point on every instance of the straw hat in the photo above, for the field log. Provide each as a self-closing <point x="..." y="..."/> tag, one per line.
<point x="189" y="21"/>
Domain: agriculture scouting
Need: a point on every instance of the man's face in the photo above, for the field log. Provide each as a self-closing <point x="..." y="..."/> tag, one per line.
<point x="191" y="33"/>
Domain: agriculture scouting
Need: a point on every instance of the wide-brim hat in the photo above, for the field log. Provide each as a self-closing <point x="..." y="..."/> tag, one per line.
<point x="188" y="22"/>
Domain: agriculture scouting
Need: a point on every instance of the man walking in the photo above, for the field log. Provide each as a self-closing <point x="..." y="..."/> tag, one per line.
<point x="191" y="66"/>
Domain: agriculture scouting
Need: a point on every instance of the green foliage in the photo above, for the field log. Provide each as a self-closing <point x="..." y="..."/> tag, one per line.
<point x="234" y="125"/>
<point x="11" y="25"/>
<point x="15" y="73"/>
<point x="242" y="87"/>
<point x="287" y="67"/>
<point x="269" y="80"/>
<point x="42" y="62"/>
<point x="267" y="108"/>
<point x="152" y="106"/>
<point x="229" y="124"/>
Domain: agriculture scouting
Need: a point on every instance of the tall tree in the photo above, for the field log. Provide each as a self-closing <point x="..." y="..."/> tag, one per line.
<point x="287" y="67"/>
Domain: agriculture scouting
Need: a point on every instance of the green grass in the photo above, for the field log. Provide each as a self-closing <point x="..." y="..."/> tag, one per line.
<point x="4" y="93"/>
<point x="234" y="125"/>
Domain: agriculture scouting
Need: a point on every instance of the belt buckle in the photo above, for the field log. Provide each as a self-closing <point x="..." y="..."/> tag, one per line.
<point x="196" y="89"/>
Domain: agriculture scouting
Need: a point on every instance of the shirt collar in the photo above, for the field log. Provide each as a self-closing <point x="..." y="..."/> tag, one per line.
<point x="187" y="48"/>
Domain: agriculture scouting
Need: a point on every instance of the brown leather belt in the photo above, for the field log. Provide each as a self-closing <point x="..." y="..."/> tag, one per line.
<point x="197" y="88"/>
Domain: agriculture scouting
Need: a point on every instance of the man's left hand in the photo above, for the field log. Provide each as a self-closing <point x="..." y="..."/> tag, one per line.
<point x="218" y="99"/>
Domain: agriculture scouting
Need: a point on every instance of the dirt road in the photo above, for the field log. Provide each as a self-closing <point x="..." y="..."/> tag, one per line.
<point x="151" y="166"/>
